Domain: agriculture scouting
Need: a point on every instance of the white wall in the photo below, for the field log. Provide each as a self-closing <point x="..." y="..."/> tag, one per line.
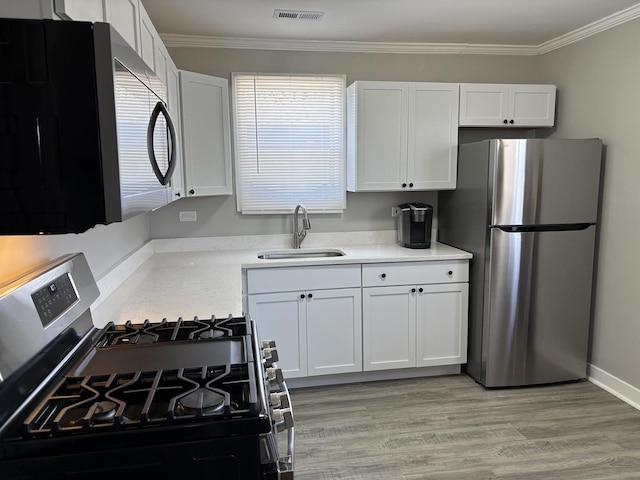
<point x="104" y="246"/>
<point x="599" y="78"/>
<point x="365" y="211"/>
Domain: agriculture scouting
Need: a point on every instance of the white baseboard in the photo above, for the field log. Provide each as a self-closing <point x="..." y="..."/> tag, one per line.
<point x="340" y="379"/>
<point x="615" y="386"/>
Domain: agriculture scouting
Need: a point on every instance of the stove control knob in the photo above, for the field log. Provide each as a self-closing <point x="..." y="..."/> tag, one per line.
<point x="275" y="375"/>
<point x="279" y="400"/>
<point x="270" y="356"/>
<point x="268" y="344"/>
<point x="283" y="418"/>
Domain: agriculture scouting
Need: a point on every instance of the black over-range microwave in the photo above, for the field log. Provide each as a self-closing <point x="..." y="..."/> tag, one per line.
<point x="85" y="136"/>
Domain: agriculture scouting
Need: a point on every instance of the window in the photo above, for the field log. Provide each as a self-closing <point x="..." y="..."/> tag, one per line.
<point x="289" y="142"/>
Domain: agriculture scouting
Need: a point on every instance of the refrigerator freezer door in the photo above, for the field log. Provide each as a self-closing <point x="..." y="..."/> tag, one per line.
<point x="538" y="311"/>
<point x="538" y="181"/>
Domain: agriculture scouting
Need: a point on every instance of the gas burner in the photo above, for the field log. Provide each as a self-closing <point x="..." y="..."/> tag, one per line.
<point x="146" y="338"/>
<point x="201" y="400"/>
<point x="104" y="412"/>
<point x="209" y="334"/>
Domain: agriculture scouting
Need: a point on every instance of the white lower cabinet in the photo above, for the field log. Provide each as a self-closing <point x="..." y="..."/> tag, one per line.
<point x="414" y="326"/>
<point x="441" y="324"/>
<point x="389" y="328"/>
<point x="333" y="319"/>
<point x="314" y="314"/>
<point x="316" y="332"/>
<point x="406" y="324"/>
<point x="281" y="317"/>
<point x="334" y="331"/>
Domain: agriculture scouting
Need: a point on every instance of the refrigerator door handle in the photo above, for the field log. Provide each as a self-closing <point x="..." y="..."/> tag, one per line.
<point x="544" y="228"/>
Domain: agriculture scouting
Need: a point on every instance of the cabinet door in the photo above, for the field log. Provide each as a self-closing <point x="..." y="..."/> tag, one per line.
<point x="442" y="313"/>
<point x="206" y="140"/>
<point x="281" y="317"/>
<point x="173" y="100"/>
<point x="334" y="331"/>
<point x="149" y="41"/>
<point x="80" y="10"/>
<point x="483" y="105"/>
<point x="124" y="16"/>
<point x="433" y="136"/>
<point x="378" y="117"/>
<point x="532" y="105"/>
<point x="389" y="327"/>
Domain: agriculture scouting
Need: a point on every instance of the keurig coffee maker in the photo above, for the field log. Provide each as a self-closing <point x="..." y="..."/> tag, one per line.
<point x="413" y="223"/>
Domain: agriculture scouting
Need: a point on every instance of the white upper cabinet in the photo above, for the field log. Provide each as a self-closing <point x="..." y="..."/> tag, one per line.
<point x="173" y="100"/>
<point x="497" y="105"/>
<point x="80" y="10"/>
<point x="149" y="42"/>
<point x="206" y="137"/>
<point x="128" y="17"/>
<point x="401" y="136"/>
<point x="124" y="16"/>
<point x="432" y="136"/>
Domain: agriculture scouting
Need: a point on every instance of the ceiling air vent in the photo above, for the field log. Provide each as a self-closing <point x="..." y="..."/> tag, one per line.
<point x="298" y="14"/>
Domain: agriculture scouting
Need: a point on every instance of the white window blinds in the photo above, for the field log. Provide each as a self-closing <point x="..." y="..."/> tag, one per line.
<point x="289" y="142"/>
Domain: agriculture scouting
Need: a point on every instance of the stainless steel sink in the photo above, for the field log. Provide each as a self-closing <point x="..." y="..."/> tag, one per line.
<point x="302" y="253"/>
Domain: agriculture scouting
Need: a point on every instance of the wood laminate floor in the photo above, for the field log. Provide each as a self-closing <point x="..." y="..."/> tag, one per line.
<point x="451" y="428"/>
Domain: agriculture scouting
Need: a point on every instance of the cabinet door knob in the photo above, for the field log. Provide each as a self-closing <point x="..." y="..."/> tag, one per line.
<point x="192" y="191"/>
<point x="450" y="272"/>
<point x="404" y="185"/>
<point x="511" y="121"/>
<point x="178" y="194"/>
<point x="411" y="185"/>
<point x="384" y="275"/>
<point x="413" y="290"/>
<point x="505" y="121"/>
<point x="421" y="290"/>
<point x="310" y="295"/>
<point x="302" y="295"/>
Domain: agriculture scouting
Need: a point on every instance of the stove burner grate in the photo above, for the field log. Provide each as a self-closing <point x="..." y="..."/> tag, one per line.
<point x="178" y="331"/>
<point x="141" y="398"/>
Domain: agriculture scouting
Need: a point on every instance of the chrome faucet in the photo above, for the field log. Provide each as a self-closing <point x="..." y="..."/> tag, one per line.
<point x="298" y="235"/>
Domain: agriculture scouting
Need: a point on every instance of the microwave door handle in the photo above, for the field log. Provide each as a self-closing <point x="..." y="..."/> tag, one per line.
<point x="162" y="178"/>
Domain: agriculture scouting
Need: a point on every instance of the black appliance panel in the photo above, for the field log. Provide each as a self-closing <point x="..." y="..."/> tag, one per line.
<point x="57" y="128"/>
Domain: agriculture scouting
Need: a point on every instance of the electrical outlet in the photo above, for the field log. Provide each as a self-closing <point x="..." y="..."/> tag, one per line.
<point x="188" y="216"/>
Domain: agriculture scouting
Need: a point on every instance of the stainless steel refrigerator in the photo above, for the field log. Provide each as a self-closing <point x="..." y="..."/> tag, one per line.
<point x="527" y="210"/>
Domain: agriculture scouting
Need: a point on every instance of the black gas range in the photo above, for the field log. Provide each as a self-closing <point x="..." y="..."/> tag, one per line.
<point x="196" y="396"/>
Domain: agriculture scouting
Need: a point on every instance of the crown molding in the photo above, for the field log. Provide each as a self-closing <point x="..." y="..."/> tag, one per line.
<point x="174" y="40"/>
<point x="594" y="28"/>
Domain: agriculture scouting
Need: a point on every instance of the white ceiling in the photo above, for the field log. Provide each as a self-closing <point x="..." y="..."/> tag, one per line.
<point x="477" y="22"/>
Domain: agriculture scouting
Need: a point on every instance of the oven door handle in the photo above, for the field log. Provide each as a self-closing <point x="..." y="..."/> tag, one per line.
<point x="286" y="464"/>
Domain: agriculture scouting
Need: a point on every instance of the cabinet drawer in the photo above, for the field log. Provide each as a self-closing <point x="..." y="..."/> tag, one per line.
<point x="287" y="279"/>
<point x="415" y="273"/>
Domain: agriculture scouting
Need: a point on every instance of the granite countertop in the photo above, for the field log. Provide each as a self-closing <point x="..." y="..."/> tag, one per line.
<point x="209" y="282"/>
